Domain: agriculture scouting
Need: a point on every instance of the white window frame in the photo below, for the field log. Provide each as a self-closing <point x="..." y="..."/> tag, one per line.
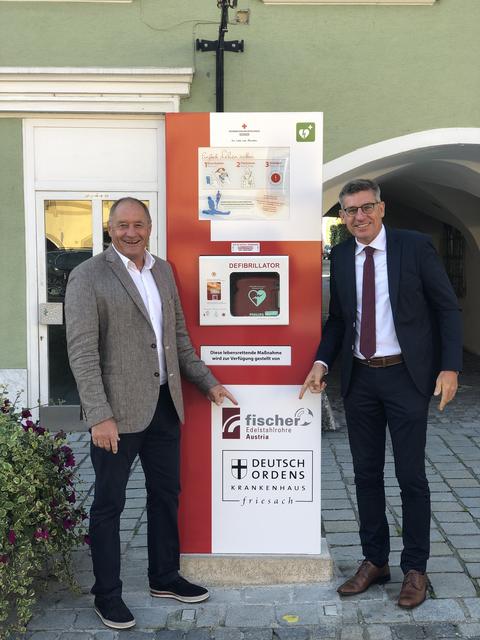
<point x="93" y="89"/>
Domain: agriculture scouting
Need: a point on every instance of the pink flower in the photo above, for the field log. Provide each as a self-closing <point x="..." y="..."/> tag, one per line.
<point x="71" y="498"/>
<point x="86" y="539"/>
<point x="41" y="534"/>
<point x="26" y="413"/>
<point x="40" y="430"/>
<point x="68" y="523"/>
<point x="11" y="537"/>
<point x="4" y="558"/>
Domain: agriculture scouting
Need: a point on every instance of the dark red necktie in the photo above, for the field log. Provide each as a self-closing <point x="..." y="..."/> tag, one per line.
<point x="367" y="328"/>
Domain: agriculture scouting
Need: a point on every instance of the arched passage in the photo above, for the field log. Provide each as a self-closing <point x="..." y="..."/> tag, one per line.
<point x="429" y="180"/>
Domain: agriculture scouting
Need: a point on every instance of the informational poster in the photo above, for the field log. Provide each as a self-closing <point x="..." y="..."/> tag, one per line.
<point x="266" y="471"/>
<point x="243" y="184"/>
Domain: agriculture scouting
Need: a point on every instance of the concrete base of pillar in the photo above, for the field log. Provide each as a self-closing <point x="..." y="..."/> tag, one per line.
<point x="238" y="570"/>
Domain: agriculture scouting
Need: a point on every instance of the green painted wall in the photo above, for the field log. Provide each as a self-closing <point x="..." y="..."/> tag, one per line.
<point x="13" y="336"/>
<point x="375" y="71"/>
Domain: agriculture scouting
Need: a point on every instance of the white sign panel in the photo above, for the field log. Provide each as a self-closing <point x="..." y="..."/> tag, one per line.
<point x="246" y="355"/>
<point x="297" y="138"/>
<point x="266" y="472"/>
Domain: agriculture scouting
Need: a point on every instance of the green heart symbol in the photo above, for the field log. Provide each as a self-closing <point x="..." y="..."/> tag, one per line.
<point x="257" y="296"/>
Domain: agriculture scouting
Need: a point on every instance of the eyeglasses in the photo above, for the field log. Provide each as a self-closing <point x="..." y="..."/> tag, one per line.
<point x="368" y="207"/>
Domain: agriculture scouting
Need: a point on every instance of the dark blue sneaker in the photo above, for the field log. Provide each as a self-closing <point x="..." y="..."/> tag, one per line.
<point x="114" y="613"/>
<point x="180" y="589"/>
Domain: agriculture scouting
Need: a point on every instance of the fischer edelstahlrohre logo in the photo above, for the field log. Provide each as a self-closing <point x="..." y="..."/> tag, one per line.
<point x="231" y="423"/>
<point x="259" y="427"/>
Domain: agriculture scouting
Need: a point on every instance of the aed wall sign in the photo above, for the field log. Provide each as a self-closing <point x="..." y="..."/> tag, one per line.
<point x="244" y="203"/>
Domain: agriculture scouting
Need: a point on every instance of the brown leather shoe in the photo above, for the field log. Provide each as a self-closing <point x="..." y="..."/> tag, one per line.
<point x="367" y="574"/>
<point x="414" y="589"/>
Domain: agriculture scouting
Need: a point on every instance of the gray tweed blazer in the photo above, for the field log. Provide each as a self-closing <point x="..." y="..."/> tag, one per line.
<point x="111" y="343"/>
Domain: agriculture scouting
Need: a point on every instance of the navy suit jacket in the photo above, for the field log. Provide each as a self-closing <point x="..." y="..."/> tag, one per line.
<point x="425" y="309"/>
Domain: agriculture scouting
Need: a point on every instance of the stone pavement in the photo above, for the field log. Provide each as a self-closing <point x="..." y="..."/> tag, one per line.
<point x="313" y="611"/>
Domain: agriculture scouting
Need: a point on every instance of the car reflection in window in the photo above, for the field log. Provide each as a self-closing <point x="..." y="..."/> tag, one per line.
<point x="59" y="265"/>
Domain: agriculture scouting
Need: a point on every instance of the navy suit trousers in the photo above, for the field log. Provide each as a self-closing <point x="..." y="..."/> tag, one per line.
<point x="158" y="448"/>
<point x="377" y="398"/>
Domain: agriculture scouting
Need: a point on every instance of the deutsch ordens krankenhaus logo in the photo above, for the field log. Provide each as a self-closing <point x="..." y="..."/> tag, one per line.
<point x="251" y="426"/>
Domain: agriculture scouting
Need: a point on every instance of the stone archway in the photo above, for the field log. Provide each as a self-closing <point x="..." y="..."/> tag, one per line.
<point x="429" y="179"/>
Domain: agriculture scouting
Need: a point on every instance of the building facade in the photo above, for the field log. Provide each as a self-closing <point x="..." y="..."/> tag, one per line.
<point x="84" y="87"/>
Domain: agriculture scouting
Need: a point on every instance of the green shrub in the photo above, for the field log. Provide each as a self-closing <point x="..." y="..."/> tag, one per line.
<point x="40" y="523"/>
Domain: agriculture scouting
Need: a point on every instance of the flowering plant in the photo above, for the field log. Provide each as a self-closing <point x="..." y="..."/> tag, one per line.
<point x="40" y="523"/>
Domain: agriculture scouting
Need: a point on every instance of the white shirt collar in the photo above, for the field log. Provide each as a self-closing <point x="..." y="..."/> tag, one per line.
<point x="129" y="264"/>
<point x="379" y="243"/>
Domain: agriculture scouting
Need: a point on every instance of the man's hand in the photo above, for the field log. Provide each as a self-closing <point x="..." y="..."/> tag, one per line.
<point x="314" y="381"/>
<point x="218" y="393"/>
<point x="447" y="384"/>
<point x="105" y="435"/>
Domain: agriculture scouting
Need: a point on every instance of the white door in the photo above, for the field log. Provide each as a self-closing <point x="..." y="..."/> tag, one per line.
<point x="71" y="227"/>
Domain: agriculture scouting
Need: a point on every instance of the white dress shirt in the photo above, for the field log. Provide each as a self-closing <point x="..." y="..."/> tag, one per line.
<point x="386" y="337"/>
<point x="148" y="290"/>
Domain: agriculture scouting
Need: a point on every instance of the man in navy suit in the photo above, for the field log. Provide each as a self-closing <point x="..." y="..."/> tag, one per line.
<point x="395" y="323"/>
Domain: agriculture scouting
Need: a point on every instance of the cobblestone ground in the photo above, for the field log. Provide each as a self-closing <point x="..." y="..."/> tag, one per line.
<point x="313" y="611"/>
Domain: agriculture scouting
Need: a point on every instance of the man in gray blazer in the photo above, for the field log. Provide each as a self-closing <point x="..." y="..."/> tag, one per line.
<point x="128" y="346"/>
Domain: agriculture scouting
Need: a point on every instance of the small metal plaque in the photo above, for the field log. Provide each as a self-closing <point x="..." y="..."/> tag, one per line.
<point x="50" y="313"/>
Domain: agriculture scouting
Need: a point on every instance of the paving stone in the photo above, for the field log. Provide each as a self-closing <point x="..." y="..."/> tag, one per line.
<point x="76" y="635"/>
<point x="351" y="632"/>
<point x="434" y="610"/>
<point x="269" y="595"/>
<point x="227" y="633"/>
<point x="439" y="549"/>
<point x="152" y="617"/>
<point x="341" y="526"/>
<point x="167" y="634"/>
<point x="257" y="634"/>
<point x="442" y="564"/>
<point x="323" y="631"/>
<point x="198" y="634"/>
<point x="441" y="630"/>
<point x="378" y="632"/>
<point x="43" y="635"/>
<point x="469" y="629"/>
<point x="460" y="528"/>
<point x="386" y="612"/>
<point x="249" y="615"/>
<point x="292" y="633"/>
<point x="473" y="569"/>
<point x="337" y="514"/>
<point x="105" y="635"/>
<point x="211" y="615"/>
<point x="453" y="516"/>
<point x="343" y="539"/>
<point x="446" y="506"/>
<point x="408" y="632"/>
<point x="469" y="555"/>
<point x="465" y="542"/>
<point x="45" y="621"/>
<point x="315" y="592"/>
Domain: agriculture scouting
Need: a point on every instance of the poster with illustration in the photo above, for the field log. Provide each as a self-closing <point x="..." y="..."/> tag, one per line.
<point x="243" y="184"/>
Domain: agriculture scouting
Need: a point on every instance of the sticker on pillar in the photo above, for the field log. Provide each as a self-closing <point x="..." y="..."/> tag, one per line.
<point x="244" y="184"/>
<point x="266" y="472"/>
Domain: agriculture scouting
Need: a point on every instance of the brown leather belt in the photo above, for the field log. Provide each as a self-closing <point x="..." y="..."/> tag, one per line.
<point x="381" y="361"/>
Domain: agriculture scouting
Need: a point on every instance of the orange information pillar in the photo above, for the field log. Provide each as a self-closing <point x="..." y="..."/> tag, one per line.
<point x="244" y="239"/>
